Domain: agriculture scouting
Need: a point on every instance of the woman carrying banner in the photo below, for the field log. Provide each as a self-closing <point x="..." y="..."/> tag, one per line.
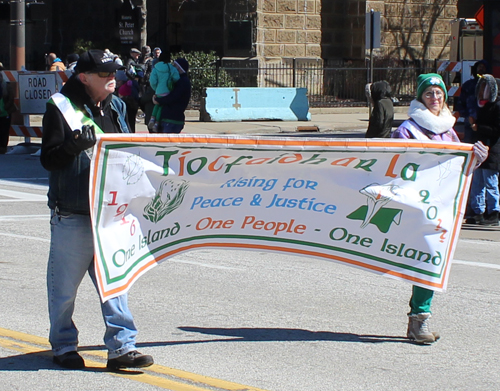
<point x="430" y="119"/>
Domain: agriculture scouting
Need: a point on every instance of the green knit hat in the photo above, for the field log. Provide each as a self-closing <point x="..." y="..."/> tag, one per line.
<point x="430" y="79"/>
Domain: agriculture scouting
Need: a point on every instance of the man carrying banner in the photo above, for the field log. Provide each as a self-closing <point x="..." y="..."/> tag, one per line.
<point x="85" y="106"/>
<point x="430" y="119"/>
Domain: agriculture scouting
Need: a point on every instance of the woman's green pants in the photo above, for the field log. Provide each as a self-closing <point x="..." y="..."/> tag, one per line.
<point x="420" y="301"/>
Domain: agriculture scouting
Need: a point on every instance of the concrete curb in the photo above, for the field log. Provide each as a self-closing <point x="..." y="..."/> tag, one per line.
<point x="323" y="110"/>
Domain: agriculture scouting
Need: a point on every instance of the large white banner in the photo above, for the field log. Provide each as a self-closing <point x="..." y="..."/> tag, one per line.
<point x="393" y="207"/>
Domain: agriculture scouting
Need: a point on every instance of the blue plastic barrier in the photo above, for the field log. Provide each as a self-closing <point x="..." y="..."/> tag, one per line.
<point x="252" y="103"/>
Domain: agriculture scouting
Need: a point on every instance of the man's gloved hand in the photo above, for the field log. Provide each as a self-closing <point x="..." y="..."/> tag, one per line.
<point x="80" y="140"/>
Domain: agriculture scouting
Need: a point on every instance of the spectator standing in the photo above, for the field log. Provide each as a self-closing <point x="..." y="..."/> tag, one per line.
<point x="135" y="70"/>
<point x="64" y="154"/>
<point x="146" y="62"/>
<point x="132" y="65"/>
<point x="382" y="115"/>
<point x="430" y="119"/>
<point x="156" y="55"/>
<point x="121" y="78"/>
<point x="162" y="80"/>
<point x="467" y="100"/>
<point x="128" y="91"/>
<point x="146" y="103"/>
<point x="174" y="104"/>
<point x="7" y="107"/>
<point x="484" y="194"/>
<point x="71" y="60"/>
<point x="55" y="63"/>
<point x="145" y="54"/>
<point x="117" y="59"/>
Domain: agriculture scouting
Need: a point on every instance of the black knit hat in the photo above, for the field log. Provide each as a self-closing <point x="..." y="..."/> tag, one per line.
<point x="96" y="60"/>
<point x="72" y="57"/>
<point x="182" y="62"/>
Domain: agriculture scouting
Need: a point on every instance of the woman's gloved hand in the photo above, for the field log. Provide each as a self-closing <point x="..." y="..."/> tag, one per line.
<point x="480" y="152"/>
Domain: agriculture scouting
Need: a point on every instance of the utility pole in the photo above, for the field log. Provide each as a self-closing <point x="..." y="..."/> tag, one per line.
<point x="144" y="23"/>
<point x="17" y="34"/>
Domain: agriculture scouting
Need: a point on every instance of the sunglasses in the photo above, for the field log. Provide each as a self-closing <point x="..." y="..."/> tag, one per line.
<point x="103" y="74"/>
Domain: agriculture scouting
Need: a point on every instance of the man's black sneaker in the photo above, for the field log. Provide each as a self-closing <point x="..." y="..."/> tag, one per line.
<point x="70" y="360"/>
<point x="476" y="219"/>
<point x="132" y="359"/>
<point x="491" y="219"/>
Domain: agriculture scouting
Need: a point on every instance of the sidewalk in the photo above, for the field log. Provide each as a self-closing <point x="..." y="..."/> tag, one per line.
<point x="334" y="121"/>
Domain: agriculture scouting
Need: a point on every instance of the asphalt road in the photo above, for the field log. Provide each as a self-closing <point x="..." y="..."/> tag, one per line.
<point x="232" y="320"/>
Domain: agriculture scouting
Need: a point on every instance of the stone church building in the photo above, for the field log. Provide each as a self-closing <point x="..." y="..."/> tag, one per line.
<point x="330" y="32"/>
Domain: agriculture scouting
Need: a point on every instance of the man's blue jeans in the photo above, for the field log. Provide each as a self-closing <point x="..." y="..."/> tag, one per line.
<point x="71" y="256"/>
<point x="484" y="191"/>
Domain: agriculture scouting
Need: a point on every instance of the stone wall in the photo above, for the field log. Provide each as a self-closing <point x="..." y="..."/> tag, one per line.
<point x="199" y="25"/>
<point x="410" y="29"/>
<point x="288" y="29"/>
<point x="415" y="29"/>
<point x="343" y="30"/>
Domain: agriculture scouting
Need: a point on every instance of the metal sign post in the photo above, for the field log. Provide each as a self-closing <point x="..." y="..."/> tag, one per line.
<point x="372" y="40"/>
<point x="372" y="36"/>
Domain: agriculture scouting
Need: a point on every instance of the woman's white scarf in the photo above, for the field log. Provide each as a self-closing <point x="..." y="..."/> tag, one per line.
<point x="436" y="124"/>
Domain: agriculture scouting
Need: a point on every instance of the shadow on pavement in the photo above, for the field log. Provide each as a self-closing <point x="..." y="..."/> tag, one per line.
<point x="481" y="228"/>
<point x="43" y="359"/>
<point x="279" y="334"/>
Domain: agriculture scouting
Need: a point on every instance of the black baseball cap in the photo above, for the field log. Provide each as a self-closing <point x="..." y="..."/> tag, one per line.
<point x="95" y="60"/>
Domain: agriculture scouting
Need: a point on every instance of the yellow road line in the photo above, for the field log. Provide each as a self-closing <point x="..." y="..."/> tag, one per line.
<point x="21" y="342"/>
<point x="17" y="335"/>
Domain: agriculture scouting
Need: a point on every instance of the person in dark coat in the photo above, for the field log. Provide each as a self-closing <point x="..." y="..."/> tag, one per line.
<point x="467" y="102"/>
<point x="382" y="115"/>
<point x="484" y="194"/>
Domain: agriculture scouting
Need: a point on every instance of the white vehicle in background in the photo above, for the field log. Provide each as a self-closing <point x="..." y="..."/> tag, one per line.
<point x="466" y="49"/>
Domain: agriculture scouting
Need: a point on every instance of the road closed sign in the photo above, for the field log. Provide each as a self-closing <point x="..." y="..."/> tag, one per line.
<point x="35" y="89"/>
